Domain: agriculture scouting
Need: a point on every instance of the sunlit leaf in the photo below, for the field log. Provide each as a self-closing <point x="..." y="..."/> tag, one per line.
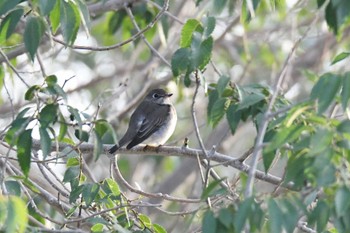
<point x="17" y="214"/>
<point x="9" y="23"/>
<point x="55" y="16"/>
<point x="145" y="220"/>
<point x="158" y="228"/>
<point x="190" y="26"/>
<point x="340" y="57"/>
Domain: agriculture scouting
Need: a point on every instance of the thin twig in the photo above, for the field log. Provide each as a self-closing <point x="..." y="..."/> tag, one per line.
<point x="131" y="15"/>
<point x="147" y="194"/>
<point x="13" y="68"/>
<point x="118" y="45"/>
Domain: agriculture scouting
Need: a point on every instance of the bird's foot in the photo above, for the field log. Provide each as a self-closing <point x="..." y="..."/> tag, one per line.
<point x="154" y="148"/>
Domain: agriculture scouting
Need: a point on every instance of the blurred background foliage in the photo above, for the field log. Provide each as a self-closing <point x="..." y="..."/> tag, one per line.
<point x="72" y="71"/>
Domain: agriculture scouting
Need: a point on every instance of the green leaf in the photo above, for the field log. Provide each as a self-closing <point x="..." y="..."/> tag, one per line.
<point x="55" y="16"/>
<point x="324" y="170"/>
<point x="85" y="13"/>
<point x="116" y="20"/>
<point x="218" y="6"/>
<point x="248" y="97"/>
<point x="70" y="21"/>
<point x="48" y="115"/>
<point x="81" y="135"/>
<point x="98" y="146"/>
<point x="275" y="217"/>
<point x="33" y="33"/>
<point x="180" y="61"/>
<point x="90" y="192"/>
<point x="209" y="26"/>
<point x="98" y="227"/>
<point x="208" y="191"/>
<point x="213" y="97"/>
<point x="209" y="222"/>
<point x="158" y="228"/>
<point x="24" y="150"/>
<point x="30" y="93"/>
<point x="325" y="91"/>
<point x="45" y="142"/>
<point x="345" y="92"/>
<point x="320" y="141"/>
<point x="283" y="136"/>
<point x="145" y="220"/>
<point x="222" y="83"/>
<point x="51" y="80"/>
<point x="201" y="55"/>
<point x="72" y="161"/>
<point x="46" y="6"/>
<point x="344" y="127"/>
<point x="290" y="215"/>
<point x="226" y="216"/>
<point x="63" y="128"/>
<point x="340" y="57"/>
<point x="233" y="117"/>
<point x="320" y="215"/>
<point x="9" y="23"/>
<point x="17" y="215"/>
<point x="337" y="13"/>
<point x="6" y="5"/>
<point x="17" y="126"/>
<point x="113" y="186"/>
<point x="71" y="174"/>
<point x="342" y="201"/>
<point x="242" y="214"/>
<point x="75" y="115"/>
<point x="75" y="193"/>
<point x="218" y="110"/>
<point x="13" y="187"/>
<point x="190" y="26"/>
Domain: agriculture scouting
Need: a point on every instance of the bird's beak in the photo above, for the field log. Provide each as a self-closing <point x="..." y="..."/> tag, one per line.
<point x="168" y="94"/>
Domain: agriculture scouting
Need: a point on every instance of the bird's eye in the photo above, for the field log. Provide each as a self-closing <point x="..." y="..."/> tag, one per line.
<point x="155" y="95"/>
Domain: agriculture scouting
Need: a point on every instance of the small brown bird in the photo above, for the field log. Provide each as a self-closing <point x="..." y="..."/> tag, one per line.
<point x="152" y="123"/>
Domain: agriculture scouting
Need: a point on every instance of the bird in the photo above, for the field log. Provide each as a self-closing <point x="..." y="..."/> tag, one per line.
<point x="152" y="123"/>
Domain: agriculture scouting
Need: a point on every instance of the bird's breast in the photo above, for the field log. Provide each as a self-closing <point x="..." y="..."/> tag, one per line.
<point x="165" y="131"/>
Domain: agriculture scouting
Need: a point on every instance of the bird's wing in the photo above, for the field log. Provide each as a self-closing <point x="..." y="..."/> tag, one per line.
<point x="151" y="123"/>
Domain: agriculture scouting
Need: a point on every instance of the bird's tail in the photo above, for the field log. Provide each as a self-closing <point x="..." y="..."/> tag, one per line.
<point x="113" y="149"/>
